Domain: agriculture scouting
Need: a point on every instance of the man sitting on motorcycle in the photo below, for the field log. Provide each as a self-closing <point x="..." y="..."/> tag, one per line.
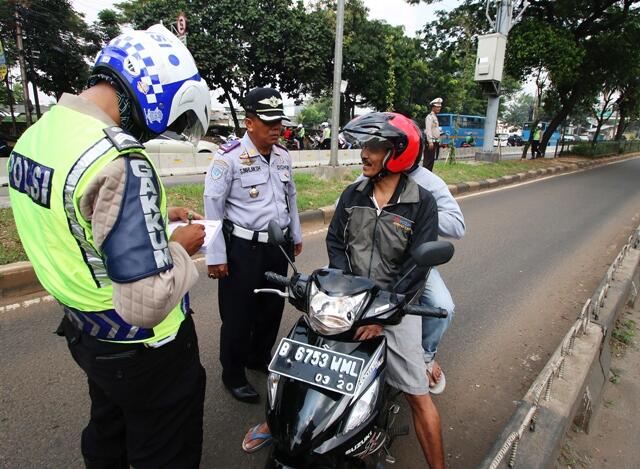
<point x="376" y="225"/>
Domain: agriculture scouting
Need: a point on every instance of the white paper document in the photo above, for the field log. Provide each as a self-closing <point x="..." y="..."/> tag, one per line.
<point x="211" y="229"/>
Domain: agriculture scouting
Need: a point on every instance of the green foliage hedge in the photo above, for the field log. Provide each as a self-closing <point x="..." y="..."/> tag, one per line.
<point x="606" y="148"/>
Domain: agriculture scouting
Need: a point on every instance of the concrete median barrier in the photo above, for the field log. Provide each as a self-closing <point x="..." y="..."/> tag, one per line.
<point x="568" y="389"/>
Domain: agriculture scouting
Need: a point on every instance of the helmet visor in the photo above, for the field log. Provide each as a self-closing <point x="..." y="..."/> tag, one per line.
<point x="361" y="140"/>
<point x="190" y="126"/>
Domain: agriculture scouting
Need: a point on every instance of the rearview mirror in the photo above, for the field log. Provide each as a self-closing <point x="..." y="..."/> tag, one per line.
<point x="433" y="253"/>
<point x="276" y="236"/>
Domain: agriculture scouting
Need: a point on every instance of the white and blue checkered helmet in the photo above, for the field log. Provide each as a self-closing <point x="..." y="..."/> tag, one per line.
<point x="161" y="76"/>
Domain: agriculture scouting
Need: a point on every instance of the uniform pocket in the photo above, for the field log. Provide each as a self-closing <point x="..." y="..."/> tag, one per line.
<point x="255" y="178"/>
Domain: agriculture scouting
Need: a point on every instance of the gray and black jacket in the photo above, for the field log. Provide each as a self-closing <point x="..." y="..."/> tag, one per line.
<point x="361" y="242"/>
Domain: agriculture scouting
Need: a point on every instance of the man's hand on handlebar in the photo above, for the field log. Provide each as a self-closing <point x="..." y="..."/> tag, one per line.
<point x="368" y="332"/>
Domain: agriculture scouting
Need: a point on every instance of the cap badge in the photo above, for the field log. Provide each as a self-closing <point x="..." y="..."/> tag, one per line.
<point x="272" y="101"/>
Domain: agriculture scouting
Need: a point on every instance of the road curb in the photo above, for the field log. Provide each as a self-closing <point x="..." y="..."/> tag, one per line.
<point x="568" y="390"/>
<point x="19" y="279"/>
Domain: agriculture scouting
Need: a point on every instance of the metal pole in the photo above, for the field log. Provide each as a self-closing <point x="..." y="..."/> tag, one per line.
<point x="503" y="25"/>
<point x="337" y="78"/>
<point x="23" y="68"/>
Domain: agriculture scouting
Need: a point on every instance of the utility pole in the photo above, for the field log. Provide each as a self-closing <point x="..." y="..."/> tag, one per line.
<point x="337" y="80"/>
<point x="23" y="68"/>
<point x="502" y="24"/>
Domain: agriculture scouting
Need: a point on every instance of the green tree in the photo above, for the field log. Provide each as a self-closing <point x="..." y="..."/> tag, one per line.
<point x="579" y="44"/>
<point x="240" y="44"/>
<point x="519" y="110"/>
<point x="315" y="112"/>
<point x="57" y="43"/>
<point x="16" y="93"/>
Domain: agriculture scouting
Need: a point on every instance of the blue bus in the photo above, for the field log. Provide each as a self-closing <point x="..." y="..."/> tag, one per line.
<point x="526" y="131"/>
<point x="466" y="126"/>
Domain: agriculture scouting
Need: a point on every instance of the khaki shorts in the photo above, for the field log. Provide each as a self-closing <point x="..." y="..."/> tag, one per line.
<point x="406" y="370"/>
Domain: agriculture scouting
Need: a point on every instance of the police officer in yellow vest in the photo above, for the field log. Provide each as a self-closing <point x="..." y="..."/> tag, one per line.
<point x="92" y="216"/>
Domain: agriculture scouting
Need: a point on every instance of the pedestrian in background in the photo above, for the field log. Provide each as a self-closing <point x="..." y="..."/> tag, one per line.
<point x="535" y="142"/>
<point x="300" y="133"/>
<point x="92" y="217"/>
<point x="432" y="132"/>
<point x="326" y="136"/>
<point x="248" y="184"/>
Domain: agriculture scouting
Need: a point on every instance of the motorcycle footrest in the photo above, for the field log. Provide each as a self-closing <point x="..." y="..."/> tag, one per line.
<point x="400" y="431"/>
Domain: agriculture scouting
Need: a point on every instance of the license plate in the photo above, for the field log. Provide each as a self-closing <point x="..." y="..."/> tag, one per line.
<point x="327" y="369"/>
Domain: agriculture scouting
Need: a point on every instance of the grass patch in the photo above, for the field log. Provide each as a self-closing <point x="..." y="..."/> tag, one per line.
<point x="314" y="192"/>
<point x="625" y="331"/>
<point x="477" y="171"/>
<point x="10" y="246"/>
<point x="186" y="195"/>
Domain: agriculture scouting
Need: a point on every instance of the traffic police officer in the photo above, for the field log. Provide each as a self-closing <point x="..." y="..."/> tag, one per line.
<point x="432" y="132"/>
<point x="249" y="183"/>
<point x="91" y="213"/>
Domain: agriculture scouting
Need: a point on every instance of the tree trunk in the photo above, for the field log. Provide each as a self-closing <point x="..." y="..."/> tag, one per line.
<point x="36" y="99"/>
<point x="232" y="108"/>
<point x="597" y="132"/>
<point x="621" y="123"/>
<point x="10" y="100"/>
<point x="557" y="120"/>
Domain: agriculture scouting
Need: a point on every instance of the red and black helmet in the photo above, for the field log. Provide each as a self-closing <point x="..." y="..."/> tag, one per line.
<point x="399" y="132"/>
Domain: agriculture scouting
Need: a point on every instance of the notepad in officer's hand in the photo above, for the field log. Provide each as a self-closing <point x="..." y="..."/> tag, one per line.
<point x="211" y="229"/>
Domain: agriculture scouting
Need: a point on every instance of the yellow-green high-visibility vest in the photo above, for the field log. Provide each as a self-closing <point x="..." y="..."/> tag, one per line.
<point x="49" y="171"/>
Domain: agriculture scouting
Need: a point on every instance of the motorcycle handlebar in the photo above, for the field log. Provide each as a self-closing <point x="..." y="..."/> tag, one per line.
<point x="426" y="311"/>
<point x="277" y="279"/>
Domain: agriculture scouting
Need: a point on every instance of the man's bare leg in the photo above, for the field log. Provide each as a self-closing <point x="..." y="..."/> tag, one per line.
<point x="426" y="420"/>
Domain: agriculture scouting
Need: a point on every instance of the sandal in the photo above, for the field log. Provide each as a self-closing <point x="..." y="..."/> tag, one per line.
<point x="439" y="386"/>
<point x="253" y="435"/>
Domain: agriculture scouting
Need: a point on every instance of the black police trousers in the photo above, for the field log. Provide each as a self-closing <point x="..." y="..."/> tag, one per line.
<point x="250" y="322"/>
<point x="146" y="403"/>
<point x="430" y="156"/>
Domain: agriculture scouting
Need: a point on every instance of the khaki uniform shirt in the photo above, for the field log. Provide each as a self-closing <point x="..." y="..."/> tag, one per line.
<point x="432" y="128"/>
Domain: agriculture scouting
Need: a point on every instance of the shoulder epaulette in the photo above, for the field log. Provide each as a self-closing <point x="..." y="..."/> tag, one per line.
<point x="282" y="146"/>
<point x="121" y="140"/>
<point x="227" y="147"/>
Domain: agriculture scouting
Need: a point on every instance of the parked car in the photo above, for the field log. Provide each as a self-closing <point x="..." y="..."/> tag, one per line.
<point x="176" y="145"/>
<point x="500" y="140"/>
<point x="568" y="140"/>
<point x="515" y="140"/>
<point x="583" y="138"/>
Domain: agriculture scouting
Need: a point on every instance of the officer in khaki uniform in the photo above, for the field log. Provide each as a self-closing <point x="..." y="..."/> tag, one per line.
<point x="248" y="184"/>
<point x="432" y="132"/>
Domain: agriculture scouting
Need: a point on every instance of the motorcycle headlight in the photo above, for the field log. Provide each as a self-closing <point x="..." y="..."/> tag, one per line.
<point x="330" y="315"/>
<point x="272" y="387"/>
<point x="363" y="408"/>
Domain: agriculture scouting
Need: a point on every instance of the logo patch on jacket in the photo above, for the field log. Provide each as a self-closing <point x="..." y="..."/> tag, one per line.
<point x="403" y="224"/>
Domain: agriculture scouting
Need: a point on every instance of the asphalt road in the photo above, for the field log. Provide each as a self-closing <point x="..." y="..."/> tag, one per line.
<point x="532" y="255"/>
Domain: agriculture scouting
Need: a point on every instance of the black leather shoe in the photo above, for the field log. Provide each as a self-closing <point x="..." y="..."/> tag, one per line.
<point x="244" y="393"/>
<point x="261" y="367"/>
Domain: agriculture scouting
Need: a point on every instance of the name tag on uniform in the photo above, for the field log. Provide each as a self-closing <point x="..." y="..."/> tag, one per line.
<point x="31" y="178"/>
<point x="250" y="169"/>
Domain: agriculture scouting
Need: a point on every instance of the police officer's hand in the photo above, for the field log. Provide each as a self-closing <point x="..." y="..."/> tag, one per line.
<point x="182" y="214"/>
<point x="218" y="270"/>
<point x="368" y="332"/>
<point x="430" y="145"/>
<point x="190" y="237"/>
<point x="297" y="249"/>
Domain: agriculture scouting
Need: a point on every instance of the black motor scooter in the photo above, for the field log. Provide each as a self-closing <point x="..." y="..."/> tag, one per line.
<point x="328" y="404"/>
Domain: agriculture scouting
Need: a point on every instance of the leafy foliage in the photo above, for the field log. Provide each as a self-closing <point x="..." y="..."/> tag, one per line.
<point x="57" y="43"/>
